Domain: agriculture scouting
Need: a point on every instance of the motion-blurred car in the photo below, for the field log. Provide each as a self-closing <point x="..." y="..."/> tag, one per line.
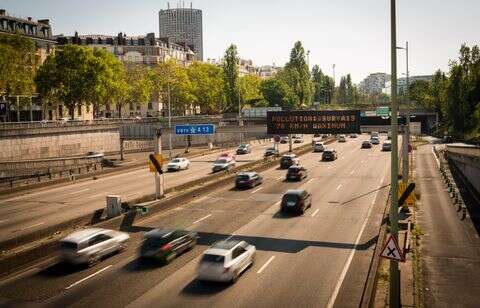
<point x="366" y="145"/>
<point x="223" y="164"/>
<point x="296" y="200"/>
<point x="177" y="164"/>
<point x="374" y="140"/>
<point x="387" y="146"/>
<point x="225" y="261"/>
<point x="329" y="154"/>
<point x="288" y="160"/>
<point x="297" y="139"/>
<point x="284" y="139"/>
<point x="342" y="138"/>
<point x="353" y="136"/>
<point x="165" y="244"/>
<point x="227" y="155"/>
<point x="318" y="147"/>
<point x="271" y="152"/>
<point x="248" y="179"/>
<point x="244" y="149"/>
<point x="296" y="173"/>
<point x="88" y="246"/>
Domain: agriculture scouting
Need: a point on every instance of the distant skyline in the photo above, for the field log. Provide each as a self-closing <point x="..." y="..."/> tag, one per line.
<point x="354" y="35"/>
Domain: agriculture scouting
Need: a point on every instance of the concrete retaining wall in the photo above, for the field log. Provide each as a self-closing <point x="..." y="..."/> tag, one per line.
<point x="467" y="159"/>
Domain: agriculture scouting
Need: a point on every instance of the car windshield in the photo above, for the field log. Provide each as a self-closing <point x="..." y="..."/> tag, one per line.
<point x="290" y="198"/>
<point x="68" y="245"/>
<point x="243" y="177"/>
<point x="155" y="242"/>
<point x="176" y="160"/>
<point x="221" y="161"/>
<point x="293" y="170"/>
<point x="271" y="149"/>
<point x="208" y="258"/>
<point x="327" y="152"/>
<point x="286" y="158"/>
<point x="242" y="146"/>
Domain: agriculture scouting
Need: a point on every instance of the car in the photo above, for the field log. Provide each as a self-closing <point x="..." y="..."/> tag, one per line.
<point x="318" y="147"/>
<point x="296" y="173"/>
<point x="88" y="246"/>
<point x="225" y="261"/>
<point x="223" y="164"/>
<point x="374" y="134"/>
<point x="297" y="139"/>
<point x="227" y="155"/>
<point x="247" y="179"/>
<point x="284" y="139"/>
<point x="296" y="200"/>
<point x="366" y="145"/>
<point x="375" y="140"/>
<point x="316" y="135"/>
<point x="244" y="149"/>
<point x="271" y="152"/>
<point x="288" y="160"/>
<point x="179" y="163"/>
<point x="342" y="138"/>
<point x="353" y="136"/>
<point x="165" y="244"/>
<point x="387" y="146"/>
<point x="329" y="154"/>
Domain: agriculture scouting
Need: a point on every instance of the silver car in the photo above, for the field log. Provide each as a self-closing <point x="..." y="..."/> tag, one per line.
<point x="225" y="261"/>
<point x="88" y="246"/>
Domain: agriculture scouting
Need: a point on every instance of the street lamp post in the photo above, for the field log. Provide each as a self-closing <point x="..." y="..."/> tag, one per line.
<point x="406" y="140"/>
<point x="394" y="290"/>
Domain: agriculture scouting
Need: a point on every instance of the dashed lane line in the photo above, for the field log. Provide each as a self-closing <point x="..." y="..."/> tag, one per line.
<point x="201" y="219"/>
<point x="265" y="265"/>
<point x="88" y="277"/>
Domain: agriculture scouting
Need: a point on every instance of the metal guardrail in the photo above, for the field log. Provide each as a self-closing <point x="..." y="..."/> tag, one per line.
<point x="464" y="149"/>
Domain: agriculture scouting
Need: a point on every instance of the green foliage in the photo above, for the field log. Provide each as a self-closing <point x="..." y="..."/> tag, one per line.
<point x="207" y="87"/>
<point x="278" y="94"/>
<point x="230" y="72"/>
<point x="139" y="85"/>
<point x="18" y="64"/>
<point x="323" y="87"/>
<point x="250" y="92"/>
<point x="297" y="76"/>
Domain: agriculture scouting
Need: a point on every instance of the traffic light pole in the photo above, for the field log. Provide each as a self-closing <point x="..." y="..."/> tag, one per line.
<point x="394" y="291"/>
<point x="159" y="180"/>
<point x="406" y="135"/>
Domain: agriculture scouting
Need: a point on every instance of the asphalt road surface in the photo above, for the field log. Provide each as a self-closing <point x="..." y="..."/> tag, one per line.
<point x="320" y="259"/>
<point x="40" y="208"/>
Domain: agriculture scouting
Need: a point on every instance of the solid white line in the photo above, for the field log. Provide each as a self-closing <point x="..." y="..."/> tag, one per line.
<point x="265" y="265"/>
<point x="200" y="199"/>
<point x="333" y="297"/>
<point x="79" y="191"/>
<point x="203" y="218"/>
<point x="315" y="213"/>
<point x="35" y="225"/>
<point x="352" y="172"/>
<point x="339" y="186"/>
<point x="88" y="277"/>
<point x="256" y="190"/>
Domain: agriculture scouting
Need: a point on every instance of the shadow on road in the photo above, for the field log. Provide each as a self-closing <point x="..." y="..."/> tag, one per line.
<point x="197" y="287"/>
<point x="61" y="269"/>
<point x="142" y="264"/>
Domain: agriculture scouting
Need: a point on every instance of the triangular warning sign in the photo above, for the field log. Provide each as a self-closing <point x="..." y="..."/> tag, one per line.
<point x="391" y="250"/>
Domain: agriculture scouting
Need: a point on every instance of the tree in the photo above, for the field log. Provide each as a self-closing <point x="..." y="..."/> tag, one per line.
<point x="18" y="64"/>
<point x="250" y="92"/>
<point x="342" y="91"/>
<point x="139" y="85"/>
<point x="296" y="74"/>
<point x="230" y="72"/>
<point x="278" y="94"/>
<point x="207" y="87"/>
<point x="351" y="94"/>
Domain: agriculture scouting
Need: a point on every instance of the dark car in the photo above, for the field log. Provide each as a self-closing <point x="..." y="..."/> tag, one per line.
<point x="248" y="179"/>
<point x="288" y="160"/>
<point x="296" y="200"/>
<point x="366" y="145"/>
<point x="353" y="136"/>
<point x="166" y="244"/>
<point x="271" y="152"/>
<point x="386" y="146"/>
<point x="328" y="155"/>
<point x="243" y="149"/>
<point x="296" y="173"/>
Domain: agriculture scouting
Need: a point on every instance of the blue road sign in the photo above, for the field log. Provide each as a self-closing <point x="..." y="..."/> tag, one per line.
<point x="195" y="129"/>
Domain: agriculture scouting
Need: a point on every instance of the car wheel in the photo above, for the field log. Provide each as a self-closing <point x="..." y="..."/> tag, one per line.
<point x="92" y="260"/>
<point x="235" y="277"/>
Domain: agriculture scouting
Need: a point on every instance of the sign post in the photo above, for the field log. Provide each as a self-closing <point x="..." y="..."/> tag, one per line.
<point x="159" y="179"/>
<point x="195" y="129"/>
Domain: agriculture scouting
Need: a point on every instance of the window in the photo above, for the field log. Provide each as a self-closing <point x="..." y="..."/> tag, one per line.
<point x="237" y="252"/>
<point x="98" y="239"/>
<point x="150" y="106"/>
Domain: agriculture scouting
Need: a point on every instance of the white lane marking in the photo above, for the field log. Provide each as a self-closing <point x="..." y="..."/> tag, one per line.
<point x="277" y="203"/>
<point x="329" y="167"/>
<point x="132" y="195"/>
<point x="3" y="220"/>
<point x="339" y="186"/>
<point x="265" y="265"/>
<point x="200" y="199"/>
<point x="362" y="161"/>
<point x="203" y="218"/>
<point x="279" y="178"/>
<point x="381" y="180"/>
<point x="35" y="225"/>
<point x="315" y="213"/>
<point x="88" y="277"/>
<point x="436" y="158"/>
<point x="97" y="195"/>
<point x="79" y="191"/>
<point x="352" y="172"/>
<point x="256" y="190"/>
<point x="334" y="295"/>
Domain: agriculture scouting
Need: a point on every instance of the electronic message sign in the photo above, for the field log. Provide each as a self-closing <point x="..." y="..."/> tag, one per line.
<point x="313" y="122"/>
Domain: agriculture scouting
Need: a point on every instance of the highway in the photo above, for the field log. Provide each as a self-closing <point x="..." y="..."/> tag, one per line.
<point x="40" y="208"/>
<point x="320" y="259"/>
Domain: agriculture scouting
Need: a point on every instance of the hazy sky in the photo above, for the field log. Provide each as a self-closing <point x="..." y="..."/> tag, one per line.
<point x="353" y="34"/>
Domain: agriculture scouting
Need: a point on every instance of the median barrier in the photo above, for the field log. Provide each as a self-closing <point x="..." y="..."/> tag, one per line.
<point x="47" y="238"/>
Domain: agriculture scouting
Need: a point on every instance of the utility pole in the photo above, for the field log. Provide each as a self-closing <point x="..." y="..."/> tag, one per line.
<point x="169" y="118"/>
<point x="159" y="180"/>
<point x="394" y="290"/>
<point x="406" y="135"/>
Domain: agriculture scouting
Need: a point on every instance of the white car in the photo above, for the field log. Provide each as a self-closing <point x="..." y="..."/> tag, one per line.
<point x="297" y="139"/>
<point x="176" y="164"/>
<point x="318" y="147"/>
<point x="342" y="138"/>
<point x="90" y="245"/>
<point x="223" y="164"/>
<point x="225" y="261"/>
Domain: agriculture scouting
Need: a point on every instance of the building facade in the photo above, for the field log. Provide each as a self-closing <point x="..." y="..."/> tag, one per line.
<point x="402" y="83"/>
<point x="374" y="83"/>
<point x="184" y="26"/>
<point x="146" y="50"/>
<point x="267" y="71"/>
